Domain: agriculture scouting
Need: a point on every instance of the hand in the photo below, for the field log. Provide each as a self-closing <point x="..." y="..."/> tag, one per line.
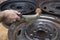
<point x="11" y="15"/>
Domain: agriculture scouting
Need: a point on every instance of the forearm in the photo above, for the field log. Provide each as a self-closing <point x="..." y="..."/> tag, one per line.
<point x="1" y="16"/>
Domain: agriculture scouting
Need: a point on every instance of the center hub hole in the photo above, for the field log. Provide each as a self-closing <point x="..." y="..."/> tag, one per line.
<point x="41" y="33"/>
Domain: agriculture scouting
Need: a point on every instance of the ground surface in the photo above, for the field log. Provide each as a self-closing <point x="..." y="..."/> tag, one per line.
<point x="3" y="32"/>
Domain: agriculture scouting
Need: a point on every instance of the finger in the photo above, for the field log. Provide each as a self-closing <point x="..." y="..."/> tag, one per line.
<point x="10" y="19"/>
<point x="17" y="12"/>
<point x="17" y="18"/>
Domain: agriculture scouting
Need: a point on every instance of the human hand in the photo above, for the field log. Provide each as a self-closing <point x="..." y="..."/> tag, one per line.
<point x="11" y="15"/>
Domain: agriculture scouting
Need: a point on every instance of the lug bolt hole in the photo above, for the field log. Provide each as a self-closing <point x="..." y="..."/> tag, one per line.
<point x="19" y="32"/>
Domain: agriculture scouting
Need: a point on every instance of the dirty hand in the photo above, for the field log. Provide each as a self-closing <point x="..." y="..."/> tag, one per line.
<point x="11" y="15"/>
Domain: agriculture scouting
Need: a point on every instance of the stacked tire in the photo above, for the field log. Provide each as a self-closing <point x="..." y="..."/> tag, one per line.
<point x="45" y="27"/>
